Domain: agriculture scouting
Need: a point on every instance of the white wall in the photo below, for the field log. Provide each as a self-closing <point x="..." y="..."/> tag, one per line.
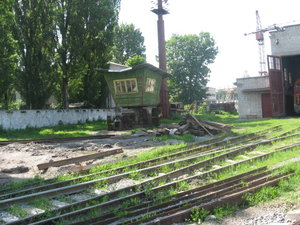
<point x="249" y="96"/>
<point x="22" y="119"/>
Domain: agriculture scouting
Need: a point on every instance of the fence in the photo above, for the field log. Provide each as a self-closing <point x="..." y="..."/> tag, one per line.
<point x="22" y="119"/>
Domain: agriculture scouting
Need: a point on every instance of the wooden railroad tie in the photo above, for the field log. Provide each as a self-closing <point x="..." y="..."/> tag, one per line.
<point x="44" y="166"/>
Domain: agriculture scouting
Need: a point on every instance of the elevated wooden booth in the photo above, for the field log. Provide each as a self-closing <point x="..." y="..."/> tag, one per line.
<point x="136" y="90"/>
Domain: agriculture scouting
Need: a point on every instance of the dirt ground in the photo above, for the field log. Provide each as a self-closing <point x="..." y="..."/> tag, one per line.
<point x="19" y="161"/>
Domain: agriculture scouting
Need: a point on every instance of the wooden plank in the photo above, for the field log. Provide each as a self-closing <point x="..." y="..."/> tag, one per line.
<point x="201" y="125"/>
<point x="78" y="159"/>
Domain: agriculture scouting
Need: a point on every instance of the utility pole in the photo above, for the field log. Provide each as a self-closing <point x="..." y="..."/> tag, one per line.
<point x="160" y="10"/>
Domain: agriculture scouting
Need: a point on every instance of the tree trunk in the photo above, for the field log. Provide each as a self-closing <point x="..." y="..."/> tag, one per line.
<point x="65" y="92"/>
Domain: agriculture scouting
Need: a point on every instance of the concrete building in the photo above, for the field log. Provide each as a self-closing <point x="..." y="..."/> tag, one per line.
<point x="273" y="95"/>
<point x="253" y="97"/>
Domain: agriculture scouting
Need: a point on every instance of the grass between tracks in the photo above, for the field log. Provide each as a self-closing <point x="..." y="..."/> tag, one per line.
<point x="285" y="188"/>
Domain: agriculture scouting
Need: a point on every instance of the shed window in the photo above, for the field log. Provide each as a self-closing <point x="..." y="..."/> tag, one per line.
<point x="150" y="85"/>
<point x="125" y="86"/>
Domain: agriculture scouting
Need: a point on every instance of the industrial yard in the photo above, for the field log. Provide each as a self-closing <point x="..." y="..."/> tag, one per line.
<point x="97" y="129"/>
<point x="164" y="184"/>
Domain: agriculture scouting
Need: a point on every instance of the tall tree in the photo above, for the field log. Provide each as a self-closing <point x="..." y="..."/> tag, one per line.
<point x="8" y="55"/>
<point x="33" y="28"/>
<point x="128" y="42"/>
<point x="84" y="33"/>
<point x="99" y="19"/>
<point x="188" y="57"/>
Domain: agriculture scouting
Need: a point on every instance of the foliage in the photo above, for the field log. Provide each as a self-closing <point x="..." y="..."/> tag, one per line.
<point x="8" y="56"/>
<point x="34" y="28"/>
<point x="14" y="105"/>
<point x="188" y="58"/>
<point x="221" y="212"/>
<point x="128" y="42"/>
<point x="53" y="47"/>
<point x="135" y="60"/>
<point x="86" y="33"/>
<point x="198" y="214"/>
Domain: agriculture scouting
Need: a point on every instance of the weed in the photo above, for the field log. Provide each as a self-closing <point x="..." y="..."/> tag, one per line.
<point x="135" y="175"/>
<point x="42" y="203"/>
<point x="220" y="212"/>
<point x="182" y="186"/>
<point x="18" y="211"/>
<point x="198" y="214"/>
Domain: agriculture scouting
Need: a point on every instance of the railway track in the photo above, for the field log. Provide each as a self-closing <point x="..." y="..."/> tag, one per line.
<point x="55" y="139"/>
<point x="205" y="146"/>
<point x="87" y="200"/>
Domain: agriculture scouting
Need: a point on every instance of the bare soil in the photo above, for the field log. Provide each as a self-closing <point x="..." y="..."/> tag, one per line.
<point x="19" y="161"/>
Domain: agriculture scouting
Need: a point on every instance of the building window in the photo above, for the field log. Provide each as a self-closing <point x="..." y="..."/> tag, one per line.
<point x="271" y="63"/>
<point x="150" y="85"/>
<point x="277" y="63"/>
<point x="125" y="86"/>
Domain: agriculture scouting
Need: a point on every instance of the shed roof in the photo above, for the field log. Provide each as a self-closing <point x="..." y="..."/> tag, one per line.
<point x="163" y="73"/>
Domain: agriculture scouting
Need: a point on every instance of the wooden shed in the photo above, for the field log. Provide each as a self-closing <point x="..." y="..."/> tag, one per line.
<point x="137" y="89"/>
<point x="136" y="86"/>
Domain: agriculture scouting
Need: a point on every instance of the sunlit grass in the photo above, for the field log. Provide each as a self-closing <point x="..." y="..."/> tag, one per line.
<point x="70" y="130"/>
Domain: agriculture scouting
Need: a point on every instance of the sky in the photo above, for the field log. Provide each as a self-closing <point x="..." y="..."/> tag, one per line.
<point x="227" y="22"/>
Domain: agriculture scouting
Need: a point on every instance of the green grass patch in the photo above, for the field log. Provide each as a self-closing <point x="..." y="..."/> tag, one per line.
<point x="18" y="211"/>
<point x="70" y="130"/>
<point x="184" y="137"/>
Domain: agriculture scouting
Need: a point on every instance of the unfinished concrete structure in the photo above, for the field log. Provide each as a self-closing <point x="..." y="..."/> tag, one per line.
<point x="272" y="95"/>
<point x="252" y="94"/>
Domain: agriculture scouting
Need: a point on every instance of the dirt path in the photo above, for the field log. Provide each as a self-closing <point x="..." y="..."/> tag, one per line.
<point x="19" y="161"/>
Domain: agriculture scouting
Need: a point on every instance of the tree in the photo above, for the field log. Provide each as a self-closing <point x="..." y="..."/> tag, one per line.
<point x="33" y="28"/>
<point x="188" y="57"/>
<point x="8" y="57"/>
<point x="85" y="34"/>
<point x="128" y="42"/>
<point x="135" y="60"/>
<point x="99" y="18"/>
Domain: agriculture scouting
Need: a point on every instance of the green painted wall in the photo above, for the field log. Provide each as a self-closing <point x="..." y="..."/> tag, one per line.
<point x="141" y="98"/>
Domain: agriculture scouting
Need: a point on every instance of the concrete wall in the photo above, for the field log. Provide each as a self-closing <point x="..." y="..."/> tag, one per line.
<point x="286" y="42"/>
<point x="249" y="96"/>
<point x="252" y="83"/>
<point x="21" y="119"/>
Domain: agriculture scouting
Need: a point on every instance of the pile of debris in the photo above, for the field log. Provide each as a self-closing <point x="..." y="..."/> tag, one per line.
<point x="192" y="125"/>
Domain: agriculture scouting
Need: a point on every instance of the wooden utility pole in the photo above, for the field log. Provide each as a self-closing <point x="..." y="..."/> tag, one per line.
<point x="164" y="96"/>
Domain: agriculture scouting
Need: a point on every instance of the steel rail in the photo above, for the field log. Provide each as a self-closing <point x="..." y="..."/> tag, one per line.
<point x="180" y="215"/>
<point x="117" y="202"/>
<point x="159" y="188"/>
<point x="182" y="198"/>
<point x="46" y="186"/>
<point x="212" y="145"/>
<point x="168" y="176"/>
<point x="198" y="199"/>
<point x="56" y="139"/>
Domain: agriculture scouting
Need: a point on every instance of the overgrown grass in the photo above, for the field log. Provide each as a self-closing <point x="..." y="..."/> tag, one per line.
<point x="70" y="130"/>
<point x="285" y="188"/>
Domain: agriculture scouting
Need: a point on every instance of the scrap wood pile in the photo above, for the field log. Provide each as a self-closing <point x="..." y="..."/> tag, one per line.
<point x="192" y="125"/>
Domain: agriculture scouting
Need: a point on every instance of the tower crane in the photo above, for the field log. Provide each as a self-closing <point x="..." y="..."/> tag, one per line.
<point x="259" y="35"/>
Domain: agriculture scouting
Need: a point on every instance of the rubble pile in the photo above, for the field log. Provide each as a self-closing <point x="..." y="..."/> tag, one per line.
<point x="192" y="125"/>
